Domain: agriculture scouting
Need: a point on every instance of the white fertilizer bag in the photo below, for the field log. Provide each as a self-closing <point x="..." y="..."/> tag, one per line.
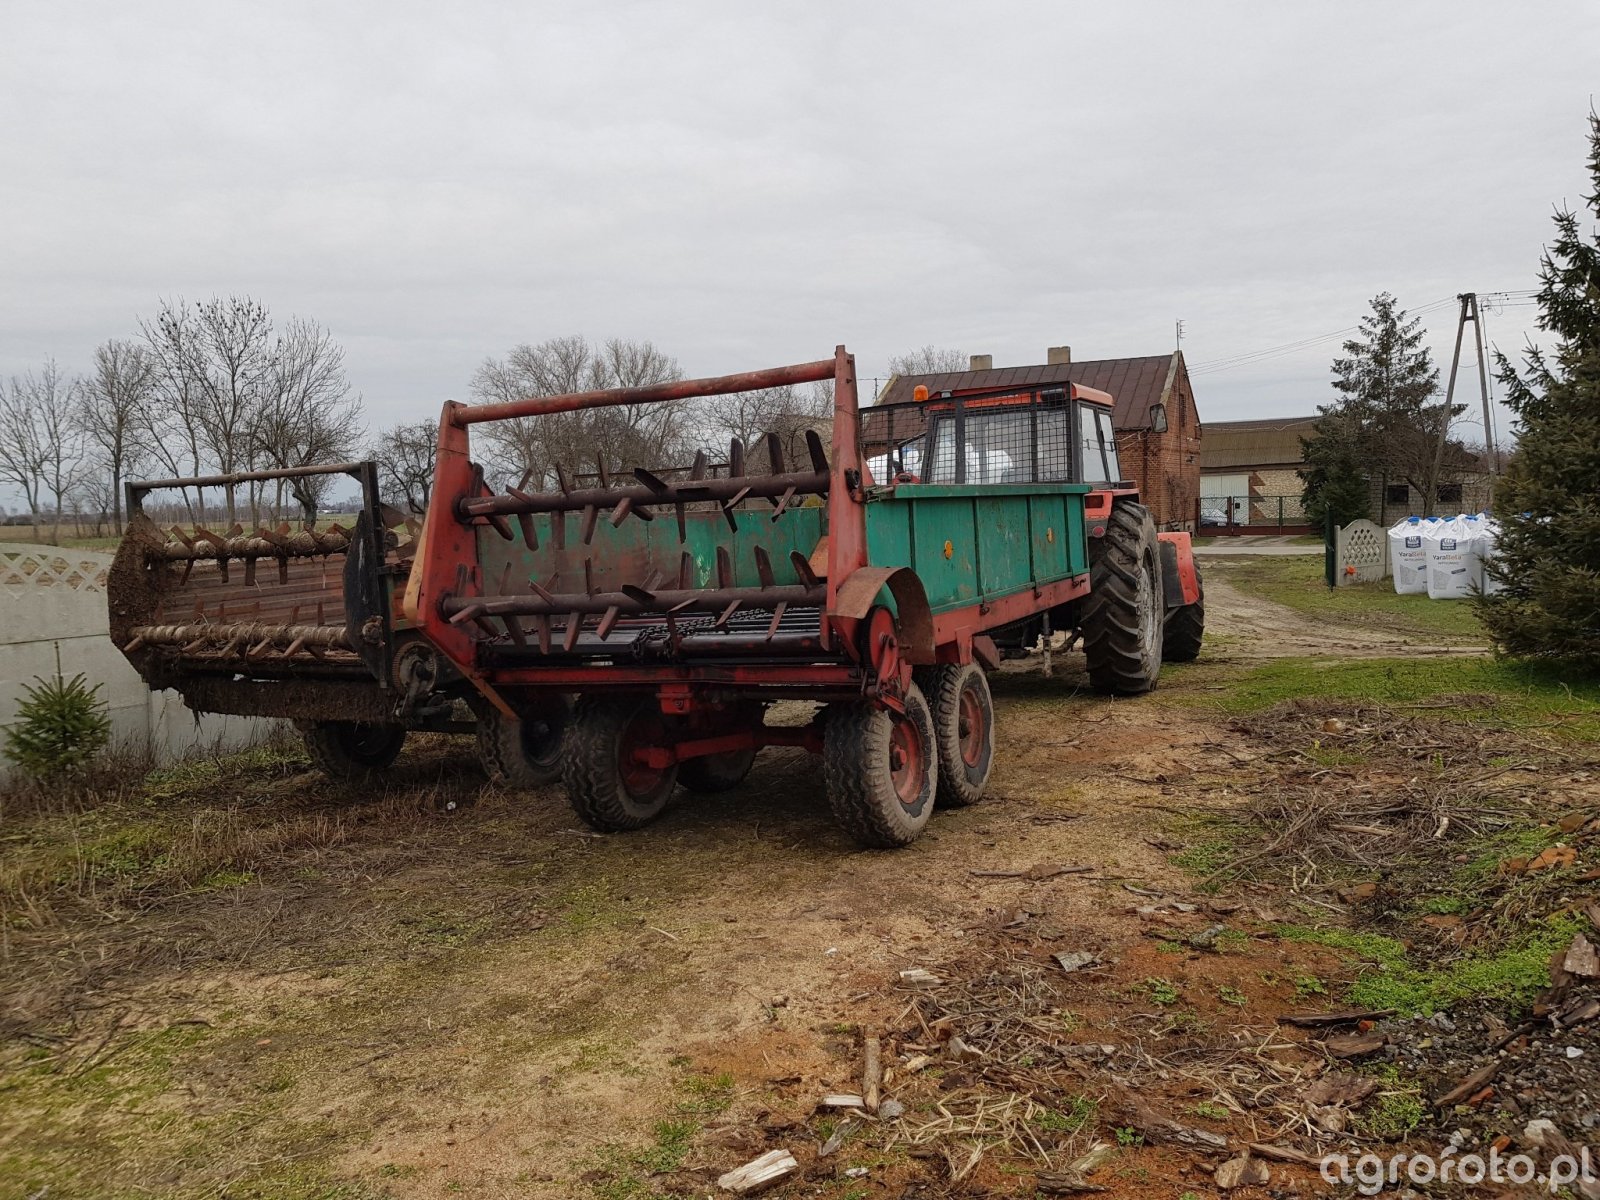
<point x="1488" y="535"/>
<point x="1408" y="558"/>
<point x="1452" y="558"/>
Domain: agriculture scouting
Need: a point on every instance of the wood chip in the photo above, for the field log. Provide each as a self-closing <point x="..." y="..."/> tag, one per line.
<point x="1064" y="1183"/>
<point x="1469" y="1085"/>
<point x="1286" y="1154"/>
<point x="840" y="1132"/>
<point x="759" y="1174"/>
<point x="843" y="1100"/>
<point x="959" y="1050"/>
<point x="1581" y="958"/>
<point x="1355" y="1045"/>
<point x="872" y="1072"/>
<point x="1243" y="1171"/>
<point x="917" y="977"/>
<point x="1341" y="1087"/>
<point x="1034" y="873"/>
<point x="1316" y="1020"/>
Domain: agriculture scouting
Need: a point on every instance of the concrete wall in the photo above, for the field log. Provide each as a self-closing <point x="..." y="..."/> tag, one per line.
<point x="53" y="601"/>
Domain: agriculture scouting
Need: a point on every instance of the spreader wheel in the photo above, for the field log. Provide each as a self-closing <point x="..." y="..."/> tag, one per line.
<point x="1121" y="617"/>
<point x="963" y="729"/>
<point x="351" y="751"/>
<point x="880" y="767"/>
<point x="609" y="786"/>
<point x="1186" y="627"/>
<point x="525" y="753"/>
<point x="716" y="772"/>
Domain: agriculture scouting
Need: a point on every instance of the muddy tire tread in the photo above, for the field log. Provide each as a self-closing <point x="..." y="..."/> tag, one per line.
<point x="942" y="686"/>
<point x="324" y="743"/>
<point x="1109" y="619"/>
<point x="1186" y="628"/>
<point x="501" y="753"/>
<point x="855" y="757"/>
<point x="590" y="770"/>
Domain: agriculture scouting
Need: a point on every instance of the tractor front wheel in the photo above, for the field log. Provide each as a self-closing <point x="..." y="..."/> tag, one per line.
<point x="1121" y="617"/>
<point x="880" y="769"/>
<point x="963" y="728"/>
<point x="526" y="752"/>
<point x="608" y="783"/>
<point x="352" y="751"/>
<point x="1186" y="627"/>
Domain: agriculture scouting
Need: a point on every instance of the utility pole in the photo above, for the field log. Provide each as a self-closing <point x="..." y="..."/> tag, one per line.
<point x="1469" y="312"/>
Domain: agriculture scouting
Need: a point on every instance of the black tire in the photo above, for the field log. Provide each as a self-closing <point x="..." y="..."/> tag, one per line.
<point x="1121" y="617"/>
<point x="879" y="805"/>
<point x="352" y="751"/>
<point x="525" y="753"/>
<point x="1186" y="627"/>
<point x="963" y="729"/>
<point x="716" y="772"/>
<point x="606" y="787"/>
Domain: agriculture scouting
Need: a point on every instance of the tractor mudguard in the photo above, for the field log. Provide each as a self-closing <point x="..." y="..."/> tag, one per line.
<point x="1179" y="581"/>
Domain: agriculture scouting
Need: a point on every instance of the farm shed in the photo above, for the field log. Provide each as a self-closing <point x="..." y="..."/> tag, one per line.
<point x="1164" y="461"/>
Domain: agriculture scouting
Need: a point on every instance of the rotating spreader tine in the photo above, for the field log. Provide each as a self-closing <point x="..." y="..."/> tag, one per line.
<point x="724" y="568"/>
<point x="764" y="568"/>
<point x="735" y="458"/>
<point x="802" y="568"/>
<point x="698" y="470"/>
<point x="591" y="514"/>
<point x="814" y="447"/>
<point x="530" y="538"/>
<point x="685" y="570"/>
<point x="392" y="517"/>
<point x="774" y="454"/>
<point x="732" y="503"/>
<point x="783" y="503"/>
<point x="777" y="619"/>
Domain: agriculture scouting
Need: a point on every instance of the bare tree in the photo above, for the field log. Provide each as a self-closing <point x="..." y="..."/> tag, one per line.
<point x="22" y="450"/>
<point x="218" y="360"/>
<point x="626" y="435"/>
<point x="43" y="447"/>
<point x="112" y="406"/>
<point x="404" y="454"/>
<point x="305" y="414"/>
<point x="928" y="360"/>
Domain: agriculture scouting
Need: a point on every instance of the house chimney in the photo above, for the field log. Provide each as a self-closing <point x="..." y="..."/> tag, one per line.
<point x="1059" y="356"/>
<point x="980" y="362"/>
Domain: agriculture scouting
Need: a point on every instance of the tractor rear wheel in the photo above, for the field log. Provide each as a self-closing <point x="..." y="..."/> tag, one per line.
<point x="716" y="772"/>
<point x="880" y="768"/>
<point x="608" y="785"/>
<point x="1121" y="617"/>
<point x="1186" y="627"/>
<point x="963" y="728"/>
<point x="352" y="751"/>
<point x="526" y="752"/>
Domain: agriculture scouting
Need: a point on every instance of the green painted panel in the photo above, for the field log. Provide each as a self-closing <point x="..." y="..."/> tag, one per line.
<point x="1003" y="539"/>
<point x="630" y="552"/>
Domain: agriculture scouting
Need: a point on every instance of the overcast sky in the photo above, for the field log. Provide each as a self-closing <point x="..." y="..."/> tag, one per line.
<point x="749" y="184"/>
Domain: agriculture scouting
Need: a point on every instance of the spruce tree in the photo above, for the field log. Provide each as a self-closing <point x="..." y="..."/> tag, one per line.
<point x="1334" y="474"/>
<point x="1548" y="502"/>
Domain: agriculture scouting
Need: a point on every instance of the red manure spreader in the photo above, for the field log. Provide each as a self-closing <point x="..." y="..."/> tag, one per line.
<point x="881" y="575"/>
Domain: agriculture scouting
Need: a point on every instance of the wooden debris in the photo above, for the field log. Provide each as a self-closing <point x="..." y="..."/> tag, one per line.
<point x="1243" y="1171"/>
<point x="915" y="1063"/>
<point x="1064" y="1183"/>
<point x="843" y="1100"/>
<point x="917" y="977"/>
<point x="841" y="1131"/>
<point x="1286" y="1154"/>
<point x="872" y="1072"/>
<point x="1034" y="873"/>
<point x="1581" y="958"/>
<point x="1356" y="1045"/>
<point x="1341" y="1087"/>
<point x="760" y="1173"/>
<point x="1315" y="1020"/>
<point x="961" y="1052"/>
<point x="1074" y="960"/>
<point x="1469" y="1086"/>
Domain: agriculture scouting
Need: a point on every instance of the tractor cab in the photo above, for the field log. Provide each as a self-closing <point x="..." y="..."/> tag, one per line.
<point x="1057" y="434"/>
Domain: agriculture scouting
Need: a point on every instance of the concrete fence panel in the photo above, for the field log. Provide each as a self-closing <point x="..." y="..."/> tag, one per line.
<point x="1362" y="549"/>
<point x="53" y="608"/>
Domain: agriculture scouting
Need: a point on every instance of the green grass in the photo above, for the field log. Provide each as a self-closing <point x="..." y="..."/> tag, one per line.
<point x="1296" y="581"/>
<point x="1526" y="694"/>
<point x="1389" y="978"/>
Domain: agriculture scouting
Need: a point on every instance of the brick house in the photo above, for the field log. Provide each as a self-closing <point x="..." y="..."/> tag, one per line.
<point x="1157" y="423"/>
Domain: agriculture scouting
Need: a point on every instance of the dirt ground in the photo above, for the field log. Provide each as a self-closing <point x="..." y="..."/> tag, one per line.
<point x="451" y="989"/>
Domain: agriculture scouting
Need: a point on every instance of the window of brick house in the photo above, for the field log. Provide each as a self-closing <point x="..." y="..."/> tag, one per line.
<point x="1397" y="493"/>
<point x="1448" y="493"/>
